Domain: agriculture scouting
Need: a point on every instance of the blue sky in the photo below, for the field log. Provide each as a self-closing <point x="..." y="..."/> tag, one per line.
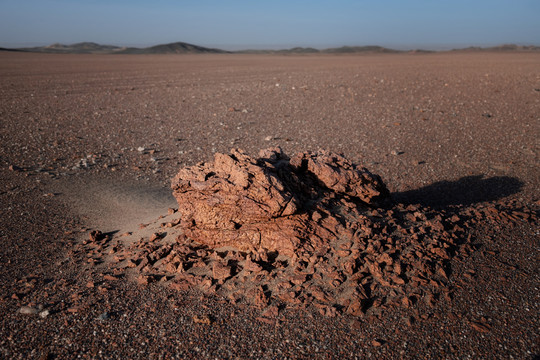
<point x="240" y="24"/>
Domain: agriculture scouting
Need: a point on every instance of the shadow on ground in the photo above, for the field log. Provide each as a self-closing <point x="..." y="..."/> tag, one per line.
<point x="466" y="191"/>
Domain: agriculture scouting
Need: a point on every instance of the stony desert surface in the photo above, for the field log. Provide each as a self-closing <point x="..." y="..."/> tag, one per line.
<point x="413" y="234"/>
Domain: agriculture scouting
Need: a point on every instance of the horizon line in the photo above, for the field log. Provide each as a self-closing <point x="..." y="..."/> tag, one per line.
<point x="274" y="47"/>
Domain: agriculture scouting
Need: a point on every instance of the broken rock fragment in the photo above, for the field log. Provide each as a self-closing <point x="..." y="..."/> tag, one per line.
<point x="341" y="176"/>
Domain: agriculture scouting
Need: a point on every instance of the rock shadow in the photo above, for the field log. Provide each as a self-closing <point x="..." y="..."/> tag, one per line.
<point x="466" y="191"/>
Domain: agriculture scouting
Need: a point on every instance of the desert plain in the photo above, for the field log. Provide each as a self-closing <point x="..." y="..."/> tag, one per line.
<point x="92" y="142"/>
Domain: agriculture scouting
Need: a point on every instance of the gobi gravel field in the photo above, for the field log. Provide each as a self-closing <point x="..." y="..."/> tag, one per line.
<point x="420" y="240"/>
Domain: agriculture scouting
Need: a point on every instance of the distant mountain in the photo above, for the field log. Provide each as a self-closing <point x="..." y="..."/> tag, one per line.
<point x="7" y="49"/>
<point x="309" y="50"/>
<point x="420" y="51"/>
<point x="359" y="49"/>
<point x="78" y="48"/>
<point x="295" y="50"/>
<point x="185" y="48"/>
<point x="173" y="48"/>
<point x="93" y="48"/>
<point x="502" y="48"/>
<point x="299" y="50"/>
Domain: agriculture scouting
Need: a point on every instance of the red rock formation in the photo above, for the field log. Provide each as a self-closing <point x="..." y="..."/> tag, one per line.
<point x="269" y="202"/>
<point x="300" y="232"/>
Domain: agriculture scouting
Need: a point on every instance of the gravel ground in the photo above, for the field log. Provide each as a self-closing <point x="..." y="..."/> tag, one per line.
<point x="91" y="142"/>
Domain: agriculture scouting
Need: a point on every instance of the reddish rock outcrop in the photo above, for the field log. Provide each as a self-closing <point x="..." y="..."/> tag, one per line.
<point x="270" y="202"/>
<point x="309" y="231"/>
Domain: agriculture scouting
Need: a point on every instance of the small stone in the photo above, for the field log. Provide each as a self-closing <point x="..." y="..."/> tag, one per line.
<point x="130" y="263"/>
<point x="320" y="295"/>
<point x="220" y="271"/>
<point x="406" y="302"/>
<point x="355" y="308"/>
<point x="316" y="216"/>
<point x="96" y="235"/>
<point x="377" y="343"/>
<point x="355" y="324"/>
<point x="104" y="316"/>
<point x="299" y="279"/>
<point x="442" y="273"/>
<point x="180" y="286"/>
<point x="44" y="314"/>
<point x="155" y="236"/>
<point x="409" y="320"/>
<point x="480" y="327"/>
<point x="28" y="310"/>
<point x="266" y="320"/>
<point x="205" y="320"/>
<point x="252" y="266"/>
<point x="140" y="149"/>
<point x="259" y="297"/>
<point x="271" y="312"/>
<point x="144" y="280"/>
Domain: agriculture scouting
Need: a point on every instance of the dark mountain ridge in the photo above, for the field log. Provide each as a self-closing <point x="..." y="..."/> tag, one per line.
<point x="186" y="48"/>
<point x="172" y="48"/>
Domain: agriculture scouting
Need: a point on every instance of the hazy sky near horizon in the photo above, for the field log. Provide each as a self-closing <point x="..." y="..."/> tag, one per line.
<point x="241" y="24"/>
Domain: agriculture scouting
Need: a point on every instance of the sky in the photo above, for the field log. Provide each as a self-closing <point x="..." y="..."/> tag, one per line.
<point x="272" y="24"/>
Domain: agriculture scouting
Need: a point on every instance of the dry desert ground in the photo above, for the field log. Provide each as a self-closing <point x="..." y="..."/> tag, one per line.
<point x="91" y="143"/>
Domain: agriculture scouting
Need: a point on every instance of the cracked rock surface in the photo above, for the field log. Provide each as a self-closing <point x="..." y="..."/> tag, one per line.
<point x="272" y="202"/>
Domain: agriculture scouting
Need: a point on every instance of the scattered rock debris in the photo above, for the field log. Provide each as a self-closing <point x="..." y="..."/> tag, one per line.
<point x="311" y="231"/>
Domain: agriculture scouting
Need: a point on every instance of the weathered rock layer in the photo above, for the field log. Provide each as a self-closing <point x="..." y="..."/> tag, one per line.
<point x="273" y="202"/>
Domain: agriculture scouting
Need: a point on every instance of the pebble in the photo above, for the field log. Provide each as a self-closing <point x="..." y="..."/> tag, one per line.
<point x="81" y="164"/>
<point x="376" y="343"/>
<point x="104" y="316"/>
<point x="44" y="314"/>
<point x="29" y="310"/>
